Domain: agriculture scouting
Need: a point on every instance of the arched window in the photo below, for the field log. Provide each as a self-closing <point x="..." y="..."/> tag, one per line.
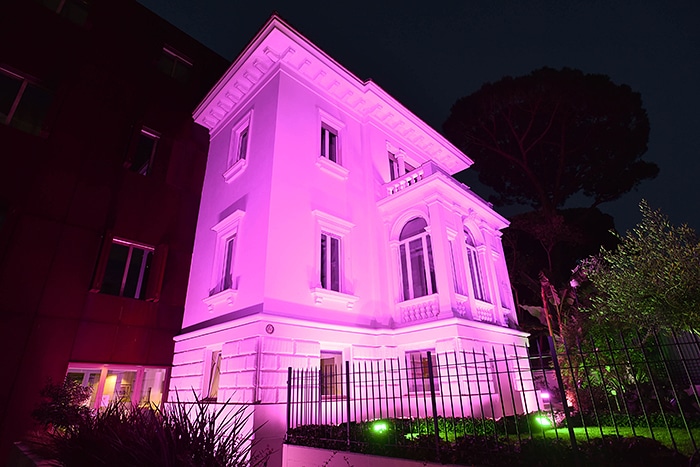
<point x="475" y="268"/>
<point x="416" y="256"/>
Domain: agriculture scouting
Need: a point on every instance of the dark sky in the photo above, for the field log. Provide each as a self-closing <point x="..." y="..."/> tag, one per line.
<point x="427" y="54"/>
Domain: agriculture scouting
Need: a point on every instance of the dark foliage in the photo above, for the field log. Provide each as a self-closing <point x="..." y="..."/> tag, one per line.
<point x="540" y="139"/>
<point x="188" y="434"/>
<point x="61" y="405"/>
<point x="610" y="451"/>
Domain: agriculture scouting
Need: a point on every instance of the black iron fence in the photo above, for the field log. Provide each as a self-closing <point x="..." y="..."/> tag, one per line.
<point x="625" y="386"/>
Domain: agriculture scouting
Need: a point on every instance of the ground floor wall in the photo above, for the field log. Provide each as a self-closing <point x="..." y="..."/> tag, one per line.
<point x="248" y="361"/>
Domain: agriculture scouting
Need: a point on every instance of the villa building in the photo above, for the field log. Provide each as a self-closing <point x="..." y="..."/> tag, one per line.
<point x="330" y="229"/>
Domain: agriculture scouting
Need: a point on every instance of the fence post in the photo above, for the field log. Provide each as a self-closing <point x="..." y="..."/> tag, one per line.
<point x="562" y="392"/>
<point x="347" y="405"/>
<point x="289" y="398"/>
<point x="434" y="404"/>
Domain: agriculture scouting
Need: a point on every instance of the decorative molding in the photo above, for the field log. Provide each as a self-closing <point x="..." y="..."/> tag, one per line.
<point x="223" y="299"/>
<point x="235" y="170"/>
<point x="278" y="43"/>
<point x="419" y="309"/>
<point x="331" y="168"/>
<point x="332" y="299"/>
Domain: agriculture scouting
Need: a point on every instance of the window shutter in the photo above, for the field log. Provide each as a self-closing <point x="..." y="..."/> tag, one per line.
<point x="155" y="278"/>
<point x="102" y="259"/>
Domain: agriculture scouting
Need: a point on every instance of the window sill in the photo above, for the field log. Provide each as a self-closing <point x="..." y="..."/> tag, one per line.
<point x="333" y="299"/>
<point x="331" y="168"/>
<point x="221" y="299"/>
<point x="235" y="170"/>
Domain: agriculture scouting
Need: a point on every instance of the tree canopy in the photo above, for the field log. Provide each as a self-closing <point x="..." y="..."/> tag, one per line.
<point x="652" y="279"/>
<point x="540" y="139"/>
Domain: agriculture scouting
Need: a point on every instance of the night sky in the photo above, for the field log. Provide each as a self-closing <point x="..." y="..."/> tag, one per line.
<point x="428" y="54"/>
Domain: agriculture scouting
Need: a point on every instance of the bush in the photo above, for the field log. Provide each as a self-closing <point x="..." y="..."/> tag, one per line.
<point x="182" y="434"/>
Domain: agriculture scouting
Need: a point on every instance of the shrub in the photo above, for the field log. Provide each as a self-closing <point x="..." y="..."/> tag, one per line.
<point x="182" y="434"/>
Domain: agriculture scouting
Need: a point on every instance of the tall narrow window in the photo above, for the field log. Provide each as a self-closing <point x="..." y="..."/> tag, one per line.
<point x="141" y="160"/>
<point x="455" y="278"/>
<point x="416" y="257"/>
<point x="393" y="167"/>
<point x="227" y="244"/>
<point x="478" y="285"/>
<point x="23" y="105"/>
<point x="330" y="262"/>
<point x="227" y="273"/>
<point x="127" y="270"/>
<point x="329" y="143"/>
<point x="213" y="372"/>
<point x="243" y="145"/>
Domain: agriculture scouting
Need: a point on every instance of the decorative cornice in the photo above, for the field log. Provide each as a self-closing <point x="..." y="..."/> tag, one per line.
<point x="277" y="45"/>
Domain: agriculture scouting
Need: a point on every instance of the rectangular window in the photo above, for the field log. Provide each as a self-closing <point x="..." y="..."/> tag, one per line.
<point x="227" y="273"/>
<point x="455" y="279"/>
<point x="23" y="105"/>
<point x="141" y="160"/>
<point x="213" y="374"/>
<point x="329" y="144"/>
<point x="76" y="11"/>
<point x="330" y="262"/>
<point x="331" y="381"/>
<point x="138" y="385"/>
<point x="127" y="271"/>
<point x="393" y="167"/>
<point x="175" y="65"/>
<point x="227" y="243"/>
<point x="243" y="145"/>
<point x="419" y="364"/>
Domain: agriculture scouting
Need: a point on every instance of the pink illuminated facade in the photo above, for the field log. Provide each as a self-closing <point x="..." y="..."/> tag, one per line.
<point x="330" y="229"/>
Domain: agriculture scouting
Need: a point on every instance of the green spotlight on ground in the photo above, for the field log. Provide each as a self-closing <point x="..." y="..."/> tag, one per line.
<point x="380" y="426"/>
<point x="544" y="421"/>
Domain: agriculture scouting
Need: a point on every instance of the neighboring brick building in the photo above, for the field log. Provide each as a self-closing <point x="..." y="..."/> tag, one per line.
<point x="102" y="169"/>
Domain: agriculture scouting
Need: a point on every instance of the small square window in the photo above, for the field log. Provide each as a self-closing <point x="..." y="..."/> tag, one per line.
<point x="329" y="143"/>
<point x="175" y="65"/>
<point x="128" y="268"/>
<point x="420" y="363"/>
<point x="75" y="11"/>
<point x="23" y="104"/>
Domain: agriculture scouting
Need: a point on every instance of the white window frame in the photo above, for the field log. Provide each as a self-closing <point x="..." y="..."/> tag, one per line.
<point x="423" y="237"/>
<point x="327" y="224"/>
<point x="331" y="385"/>
<point x="227" y="230"/>
<point x="326" y="268"/>
<point x="326" y="122"/>
<point x="420" y="381"/>
<point x="98" y="396"/>
<point x="475" y="268"/>
<point x="213" y="361"/>
<point x="235" y="164"/>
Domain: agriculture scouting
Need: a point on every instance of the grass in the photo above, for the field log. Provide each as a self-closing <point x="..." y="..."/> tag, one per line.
<point x="683" y="440"/>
